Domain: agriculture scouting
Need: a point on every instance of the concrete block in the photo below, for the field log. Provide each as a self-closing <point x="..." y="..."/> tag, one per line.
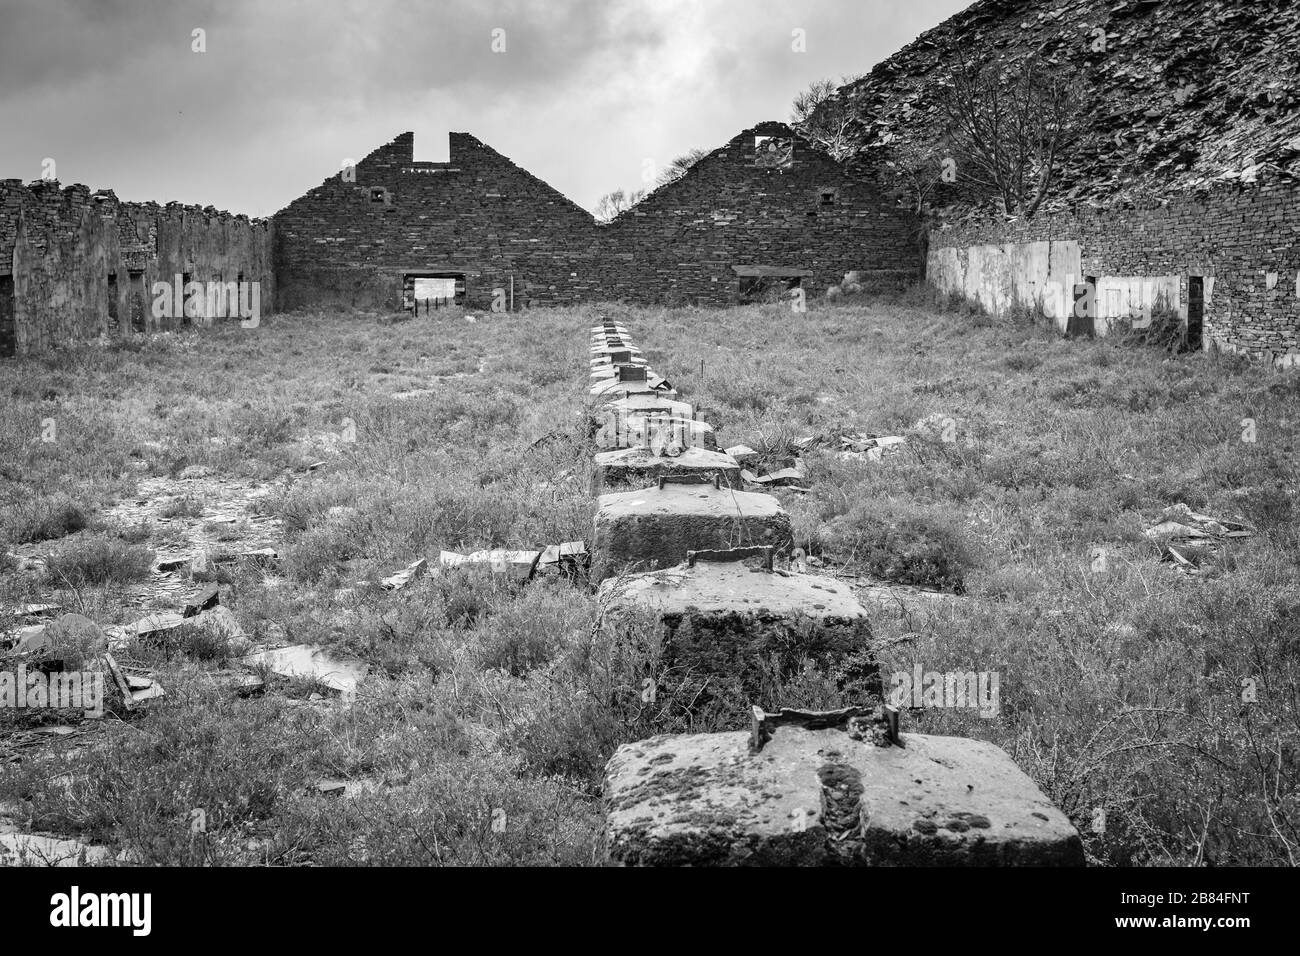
<point x="740" y="620"/>
<point x="626" y="468"/>
<point x="656" y="526"/>
<point x="657" y="429"/>
<point x="828" y="795"/>
<point x="614" y="389"/>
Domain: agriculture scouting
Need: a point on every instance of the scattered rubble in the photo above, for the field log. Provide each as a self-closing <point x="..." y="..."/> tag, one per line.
<point x="405" y="576"/>
<point x="1186" y="538"/>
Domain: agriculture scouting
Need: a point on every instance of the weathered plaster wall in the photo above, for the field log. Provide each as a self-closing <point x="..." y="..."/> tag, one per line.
<point x="1244" y="241"/>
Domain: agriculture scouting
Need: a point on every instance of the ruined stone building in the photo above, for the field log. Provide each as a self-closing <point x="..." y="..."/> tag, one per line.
<point x="764" y="212"/>
<point x="1183" y="193"/>
<point x="1183" y="197"/>
<point x="75" y="265"/>
<point x="765" y="206"/>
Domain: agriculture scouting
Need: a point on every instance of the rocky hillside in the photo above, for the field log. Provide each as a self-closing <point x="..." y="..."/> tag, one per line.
<point x="1184" y="93"/>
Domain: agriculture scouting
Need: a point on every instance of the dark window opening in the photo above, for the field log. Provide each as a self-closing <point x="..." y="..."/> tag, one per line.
<point x="112" y="304"/>
<point x="1082" y="320"/>
<point x="828" y="197"/>
<point x="137" y="299"/>
<point x="8" y="328"/>
<point x="757" y="289"/>
<point x="773" y="152"/>
<point x="1195" y="312"/>
<point x="185" y="317"/>
<point x="379" y="195"/>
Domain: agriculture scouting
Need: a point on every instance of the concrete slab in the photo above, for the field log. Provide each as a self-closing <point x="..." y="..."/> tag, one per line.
<point x="656" y="526"/>
<point x="626" y="468"/>
<point x="816" y="797"/>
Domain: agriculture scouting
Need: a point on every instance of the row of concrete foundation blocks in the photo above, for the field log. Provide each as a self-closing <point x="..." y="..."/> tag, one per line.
<point x="677" y="537"/>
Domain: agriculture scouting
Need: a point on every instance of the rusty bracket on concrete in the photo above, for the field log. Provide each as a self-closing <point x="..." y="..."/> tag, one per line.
<point x="704" y="478"/>
<point x="877" y="725"/>
<point x="763" y="551"/>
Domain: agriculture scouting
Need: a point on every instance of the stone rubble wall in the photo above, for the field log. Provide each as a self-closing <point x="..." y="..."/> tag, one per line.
<point x="83" y="264"/>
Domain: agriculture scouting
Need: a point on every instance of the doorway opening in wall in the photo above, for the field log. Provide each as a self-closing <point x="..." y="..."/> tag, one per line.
<point x="137" y="297"/>
<point x="430" y="291"/>
<point x="8" y="327"/>
<point x="113" y="327"/>
<point x="758" y="284"/>
<point x="1083" y="315"/>
<point x="1195" y="312"/>
<point x="184" y="318"/>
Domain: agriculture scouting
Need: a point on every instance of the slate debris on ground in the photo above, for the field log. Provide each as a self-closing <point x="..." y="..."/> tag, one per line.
<point x="1187" y="538"/>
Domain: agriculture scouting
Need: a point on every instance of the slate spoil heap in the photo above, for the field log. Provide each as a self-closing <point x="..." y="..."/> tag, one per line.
<point x="1184" y="93"/>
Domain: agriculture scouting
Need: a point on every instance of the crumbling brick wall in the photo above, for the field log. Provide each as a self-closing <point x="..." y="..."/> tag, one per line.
<point x="1235" y="235"/>
<point x="80" y="265"/>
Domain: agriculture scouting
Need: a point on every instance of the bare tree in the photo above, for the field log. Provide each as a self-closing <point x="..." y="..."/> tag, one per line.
<point x="612" y="204"/>
<point x="1010" y="129"/>
<point x="825" y="116"/>
<point x="915" y="170"/>
<point x="677" y="168"/>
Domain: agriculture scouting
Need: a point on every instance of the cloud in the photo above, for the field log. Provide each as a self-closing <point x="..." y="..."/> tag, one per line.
<point x="583" y="92"/>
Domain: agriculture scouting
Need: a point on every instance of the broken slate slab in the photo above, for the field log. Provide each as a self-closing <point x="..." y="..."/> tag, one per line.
<point x="148" y="627"/>
<point x="657" y="526"/>
<point x="305" y="660"/>
<point x="28" y="849"/>
<point x="36" y="610"/>
<point x="405" y="576"/>
<point x="205" y="600"/>
<point x="518" y="565"/>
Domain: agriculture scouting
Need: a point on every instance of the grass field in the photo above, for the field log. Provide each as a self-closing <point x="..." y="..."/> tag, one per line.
<point x="1121" y="679"/>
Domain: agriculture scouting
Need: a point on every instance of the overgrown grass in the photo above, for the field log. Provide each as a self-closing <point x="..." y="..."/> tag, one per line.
<point x="1122" y="681"/>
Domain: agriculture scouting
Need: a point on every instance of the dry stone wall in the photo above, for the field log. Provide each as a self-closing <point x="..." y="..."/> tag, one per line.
<point x="75" y="265"/>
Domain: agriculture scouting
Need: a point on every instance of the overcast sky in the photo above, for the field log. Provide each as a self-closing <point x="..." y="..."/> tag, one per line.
<point x="583" y="93"/>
